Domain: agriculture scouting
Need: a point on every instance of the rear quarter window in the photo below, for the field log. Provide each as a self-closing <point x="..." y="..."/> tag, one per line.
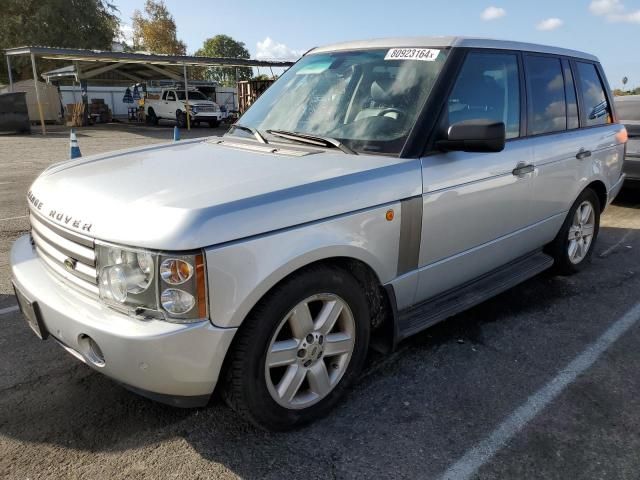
<point x="594" y="100"/>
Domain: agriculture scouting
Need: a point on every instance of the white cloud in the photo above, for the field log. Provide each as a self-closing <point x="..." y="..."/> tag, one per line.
<point x="549" y="24"/>
<point x="493" y="13"/>
<point x="614" y="11"/>
<point x="605" y="7"/>
<point x="268" y="49"/>
<point x="126" y="34"/>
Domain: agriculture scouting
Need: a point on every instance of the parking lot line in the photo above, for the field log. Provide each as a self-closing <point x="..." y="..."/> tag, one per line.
<point x="14" y="308"/>
<point x="609" y="250"/>
<point x="13" y="218"/>
<point x="481" y="453"/>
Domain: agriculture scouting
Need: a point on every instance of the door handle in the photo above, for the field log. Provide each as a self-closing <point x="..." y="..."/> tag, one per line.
<point x="582" y="154"/>
<point x="522" y="169"/>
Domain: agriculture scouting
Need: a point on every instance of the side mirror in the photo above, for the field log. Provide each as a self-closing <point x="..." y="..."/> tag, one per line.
<point x="474" y="136"/>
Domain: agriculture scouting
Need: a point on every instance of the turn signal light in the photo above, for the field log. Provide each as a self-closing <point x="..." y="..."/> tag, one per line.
<point x="175" y="271"/>
<point x="622" y="136"/>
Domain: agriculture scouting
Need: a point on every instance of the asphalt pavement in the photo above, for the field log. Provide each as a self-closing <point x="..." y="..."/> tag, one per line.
<point x="499" y="390"/>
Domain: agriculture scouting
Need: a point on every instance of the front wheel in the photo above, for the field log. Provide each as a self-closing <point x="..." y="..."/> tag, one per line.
<point x="573" y="246"/>
<point x="181" y="119"/>
<point x="299" y="349"/>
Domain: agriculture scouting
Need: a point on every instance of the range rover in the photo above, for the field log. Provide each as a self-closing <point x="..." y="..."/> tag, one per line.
<point x="376" y="188"/>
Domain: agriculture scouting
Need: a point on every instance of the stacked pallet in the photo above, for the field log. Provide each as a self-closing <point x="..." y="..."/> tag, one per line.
<point x="99" y="112"/>
<point x="74" y="114"/>
<point x="249" y="91"/>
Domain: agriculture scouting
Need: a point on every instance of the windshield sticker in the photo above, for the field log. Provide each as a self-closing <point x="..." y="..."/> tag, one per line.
<point x="422" y="54"/>
<point x="314" y="68"/>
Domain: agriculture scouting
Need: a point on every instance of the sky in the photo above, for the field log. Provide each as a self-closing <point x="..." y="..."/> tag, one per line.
<point x="284" y="29"/>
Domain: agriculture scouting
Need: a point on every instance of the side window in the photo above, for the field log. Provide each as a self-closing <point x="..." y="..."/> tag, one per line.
<point x="570" y="92"/>
<point x="546" y="88"/>
<point x="171" y="97"/>
<point x="164" y="95"/>
<point x="488" y="87"/>
<point x="594" y="99"/>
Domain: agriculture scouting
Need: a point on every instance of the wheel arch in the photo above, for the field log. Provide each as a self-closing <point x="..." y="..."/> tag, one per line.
<point x="381" y="302"/>
<point x="600" y="190"/>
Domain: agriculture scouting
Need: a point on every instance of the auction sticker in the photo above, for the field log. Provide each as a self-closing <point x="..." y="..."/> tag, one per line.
<point x="423" y="54"/>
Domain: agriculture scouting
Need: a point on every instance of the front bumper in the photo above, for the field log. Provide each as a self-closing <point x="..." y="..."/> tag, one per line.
<point x="206" y="116"/>
<point x="171" y="363"/>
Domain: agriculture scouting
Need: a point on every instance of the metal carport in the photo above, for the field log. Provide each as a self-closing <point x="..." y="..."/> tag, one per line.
<point x="136" y="67"/>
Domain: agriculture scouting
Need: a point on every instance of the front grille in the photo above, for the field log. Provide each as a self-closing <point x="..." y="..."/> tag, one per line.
<point x="206" y="108"/>
<point x="69" y="255"/>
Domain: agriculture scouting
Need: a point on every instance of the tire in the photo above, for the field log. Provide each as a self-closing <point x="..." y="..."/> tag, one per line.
<point x="214" y="123"/>
<point x="560" y="249"/>
<point x="252" y="388"/>
<point x="152" y="118"/>
<point x="181" y="119"/>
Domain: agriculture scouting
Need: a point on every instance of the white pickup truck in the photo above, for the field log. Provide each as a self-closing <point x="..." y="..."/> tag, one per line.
<point x="172" y="105"/>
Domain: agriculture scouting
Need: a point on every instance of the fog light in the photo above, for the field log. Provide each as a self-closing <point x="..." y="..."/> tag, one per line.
<point x="91" y="351"/>
<point x="177" y="301"/>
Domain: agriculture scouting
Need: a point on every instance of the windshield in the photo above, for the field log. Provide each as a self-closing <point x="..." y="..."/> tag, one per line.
<point x="193" y="95"/>
<point x="366" y="99"/>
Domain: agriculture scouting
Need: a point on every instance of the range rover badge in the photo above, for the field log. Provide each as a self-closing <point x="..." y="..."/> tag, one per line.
<point x="69" y="263"/>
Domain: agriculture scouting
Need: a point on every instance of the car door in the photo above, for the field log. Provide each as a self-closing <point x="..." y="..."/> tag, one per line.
<point x="571" y="145"/>
<point x="169" y="103"/>
<point x="476" y="205"/>
<point x="553" y="125"/>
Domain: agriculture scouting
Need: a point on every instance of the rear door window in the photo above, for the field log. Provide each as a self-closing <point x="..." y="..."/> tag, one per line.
<point x="546" y="88"/>
<point x="488" y="87"/>
<point x="596" y="110"/>
<point x="171" y="97"/>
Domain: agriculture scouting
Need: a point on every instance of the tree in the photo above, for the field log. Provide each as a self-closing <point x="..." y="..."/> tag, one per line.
<point x="55" y="23"/>
<point x="225" y="46"/>
<point x="157" y="32"/>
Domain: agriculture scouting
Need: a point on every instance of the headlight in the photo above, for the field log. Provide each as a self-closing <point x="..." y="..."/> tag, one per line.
<point x="143" y="282"/>
<point x="194" y="109"/>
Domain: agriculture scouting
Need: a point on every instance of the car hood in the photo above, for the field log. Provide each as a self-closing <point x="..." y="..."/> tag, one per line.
<point x="192" y="194"/>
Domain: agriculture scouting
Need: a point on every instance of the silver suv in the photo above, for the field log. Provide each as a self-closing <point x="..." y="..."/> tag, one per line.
<point x="376" y="188"/>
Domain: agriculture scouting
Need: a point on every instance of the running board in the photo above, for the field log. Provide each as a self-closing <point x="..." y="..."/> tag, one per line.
<point x="450" y="303"/>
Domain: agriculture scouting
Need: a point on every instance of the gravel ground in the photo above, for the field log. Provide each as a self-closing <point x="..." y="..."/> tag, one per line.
<point x="412" y="415"/>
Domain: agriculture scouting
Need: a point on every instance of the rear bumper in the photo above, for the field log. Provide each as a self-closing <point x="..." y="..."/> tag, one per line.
<point x="171" y="363"/>
<point x="632" y="167"/>
<point x="615" y="189"/>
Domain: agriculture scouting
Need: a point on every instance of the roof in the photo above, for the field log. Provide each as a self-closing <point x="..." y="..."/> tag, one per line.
<point x="449" y="42"/>
<point x="74" y="54"/>
<point x="123" y="67"/>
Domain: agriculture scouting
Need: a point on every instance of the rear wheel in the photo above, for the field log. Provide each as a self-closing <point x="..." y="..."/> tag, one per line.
<point x="299" y="350"/>
<point x="573" y="246"/>
<point x="152" y="118"/>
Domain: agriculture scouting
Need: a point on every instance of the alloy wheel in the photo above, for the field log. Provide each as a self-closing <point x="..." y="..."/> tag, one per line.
<point x="581" y="232"/>
<point x="310" y="351"/>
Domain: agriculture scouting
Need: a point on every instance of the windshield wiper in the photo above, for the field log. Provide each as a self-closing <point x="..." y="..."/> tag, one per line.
<point x="252" y="131"/>
<point x="313" y="140"/>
